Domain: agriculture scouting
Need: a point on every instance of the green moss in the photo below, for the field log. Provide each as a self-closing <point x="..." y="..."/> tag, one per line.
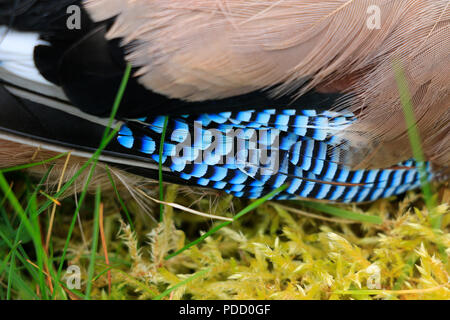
<point x="280" y="250"/>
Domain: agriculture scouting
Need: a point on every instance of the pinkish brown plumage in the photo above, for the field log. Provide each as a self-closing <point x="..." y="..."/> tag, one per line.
<point x="204" y="49"/>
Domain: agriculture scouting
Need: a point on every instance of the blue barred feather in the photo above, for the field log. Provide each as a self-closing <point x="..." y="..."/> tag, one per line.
<point x="306" y="147"/>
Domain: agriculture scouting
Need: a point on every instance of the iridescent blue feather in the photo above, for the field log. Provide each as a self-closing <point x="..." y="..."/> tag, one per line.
<point x="307" y="147"/>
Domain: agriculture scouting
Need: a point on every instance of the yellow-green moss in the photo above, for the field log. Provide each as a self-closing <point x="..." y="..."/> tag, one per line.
<point x="276" y="254"/>
<point x="281" y="250"/>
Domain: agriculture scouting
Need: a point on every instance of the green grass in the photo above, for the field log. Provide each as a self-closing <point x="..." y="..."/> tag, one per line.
<point x="94" y="244"/>
<point x="414" y="137"/>
<point x="267" y="245"/>
<point x="33" y="227"/>
<point x="416" y="146"/>
<point x="160" y="169"/>
<point x="180" y="284"/>
<point x="341" y="213"/>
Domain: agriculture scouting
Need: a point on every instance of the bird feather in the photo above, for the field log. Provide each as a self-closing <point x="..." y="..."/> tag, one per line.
<point x="205" y="49"/>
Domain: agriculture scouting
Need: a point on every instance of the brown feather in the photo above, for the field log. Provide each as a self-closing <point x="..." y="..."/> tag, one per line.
<point x="15" y="154"/>
<point x="204" y="49"/>
<point x="130" y="186"/>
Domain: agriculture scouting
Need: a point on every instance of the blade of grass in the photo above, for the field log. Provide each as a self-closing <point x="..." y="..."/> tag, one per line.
<point x="55" y="201"/>
<point x="103" y="272"/>
<point x="30" y="226"/>
<point x="414" y="138"/>
<point x="10" y="273"/>
<point x="22" y="256"/>
<point x="69" y="183"/>
<point x="16" y="205"/>
<point x="23" y="286"/>
<point x="30" y="165"/>
<point x="107" y="137"/>
<point x="75" y="292"/>
<point x="52" y="215"/>
<point x="45" y="266"/>
<point x="416" y="146"/>
<point x="74" y="218"/>
<point x="118" y="99"/>
<point x="5" y="198"/>
<point x="244" y="211"/>
<point x="95" y="233"/>
<point x="48" y="260"/>
<point x="40" y="252"/>
<point x="160" y="175"/>
<point x="104" y="246"/>
<point x="257" y="203"/>
<point x="9" y="255"/>
<point x="342" y="213"/>
<point x="278" y="206"/>
<point x="182" y="283"/>
<point x="141" y="285"/>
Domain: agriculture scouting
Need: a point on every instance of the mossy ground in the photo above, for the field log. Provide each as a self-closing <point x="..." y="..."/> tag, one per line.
<point x="280" y="250"/>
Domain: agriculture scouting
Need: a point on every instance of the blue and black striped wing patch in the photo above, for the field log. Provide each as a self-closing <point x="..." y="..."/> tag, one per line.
<point x="250" y="153"/>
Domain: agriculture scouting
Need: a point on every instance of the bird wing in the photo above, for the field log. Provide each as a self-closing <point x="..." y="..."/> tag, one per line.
<point x="206" y="49"/>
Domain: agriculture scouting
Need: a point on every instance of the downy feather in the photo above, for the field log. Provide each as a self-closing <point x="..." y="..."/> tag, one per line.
<point x="205" y="49"/>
